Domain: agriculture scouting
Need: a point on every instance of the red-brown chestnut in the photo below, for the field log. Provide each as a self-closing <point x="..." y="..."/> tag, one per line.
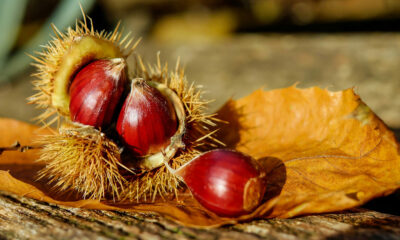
<point x="150" y="122"/>
<point x="96" y="90"/>
<point x="226" y="182"/>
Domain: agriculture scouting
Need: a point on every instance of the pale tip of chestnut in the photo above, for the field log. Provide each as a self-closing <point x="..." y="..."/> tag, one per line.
<point x="253" y="192"/>
<point x="116" y="67"/>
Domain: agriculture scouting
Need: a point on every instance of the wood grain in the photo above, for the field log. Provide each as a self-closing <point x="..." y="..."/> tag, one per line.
<point x="23" y="218"/>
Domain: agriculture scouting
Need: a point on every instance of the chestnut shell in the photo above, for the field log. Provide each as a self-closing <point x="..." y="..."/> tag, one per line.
<point x="225" y="182"/>
<point x="147" y="120"/>
<point x="96" y="91"/>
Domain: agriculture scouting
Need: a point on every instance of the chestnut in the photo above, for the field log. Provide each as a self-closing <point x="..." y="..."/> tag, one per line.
<point x="96" y="90"/>
<point x="147" y="119"/>
<point x="226" y="182"/>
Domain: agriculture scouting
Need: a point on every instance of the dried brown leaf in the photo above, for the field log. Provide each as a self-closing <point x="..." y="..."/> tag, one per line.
<point x="331" y="152"/>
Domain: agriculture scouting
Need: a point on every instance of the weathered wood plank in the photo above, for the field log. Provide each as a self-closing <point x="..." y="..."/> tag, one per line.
<point x="24" y="218"/>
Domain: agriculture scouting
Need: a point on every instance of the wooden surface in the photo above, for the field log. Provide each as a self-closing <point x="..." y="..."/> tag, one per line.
<point x="23" y="218"/>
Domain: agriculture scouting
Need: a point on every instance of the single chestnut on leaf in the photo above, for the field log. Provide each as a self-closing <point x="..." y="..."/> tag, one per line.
<point x="225" y="182"/>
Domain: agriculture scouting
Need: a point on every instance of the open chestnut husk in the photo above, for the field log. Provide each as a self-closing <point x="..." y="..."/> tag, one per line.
<point x="95" y="152"/>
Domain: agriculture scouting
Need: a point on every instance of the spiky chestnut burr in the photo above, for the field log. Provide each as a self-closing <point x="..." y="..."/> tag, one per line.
<point x="79" y="158"/>
<point x="82" y="159"/>
<point x="63" y="57"/>
<point x="96" y="90"/>
<point x="196" y="133"/>
<point x="82" y="152"/>
<point x="226" y="182"/>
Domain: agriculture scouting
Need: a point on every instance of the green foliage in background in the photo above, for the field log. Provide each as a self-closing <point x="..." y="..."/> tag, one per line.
<point x="11" y="16"/>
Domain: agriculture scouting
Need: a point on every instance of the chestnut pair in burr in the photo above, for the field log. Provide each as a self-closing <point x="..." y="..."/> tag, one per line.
<point x="145" y="122"/>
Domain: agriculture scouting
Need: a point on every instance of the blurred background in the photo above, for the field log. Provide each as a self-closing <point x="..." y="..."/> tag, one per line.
<point x="231" y="47"/>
